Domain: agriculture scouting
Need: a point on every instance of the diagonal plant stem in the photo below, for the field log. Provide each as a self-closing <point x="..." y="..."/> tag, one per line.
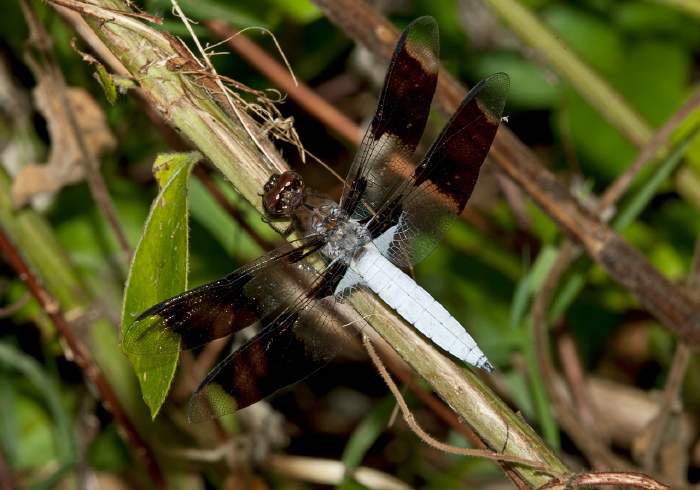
<point x="184" y="99"/>
<point x="410" y="420"/>
<point x="494" y="422"/>
<point x="173" y="138"/>
<point x="439" y="409"/>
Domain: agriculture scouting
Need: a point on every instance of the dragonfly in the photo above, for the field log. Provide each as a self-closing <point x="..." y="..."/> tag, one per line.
<point x="302" y="291"/>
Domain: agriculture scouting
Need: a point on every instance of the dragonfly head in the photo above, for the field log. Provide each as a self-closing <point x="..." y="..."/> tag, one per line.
<point x="283" y="193"/>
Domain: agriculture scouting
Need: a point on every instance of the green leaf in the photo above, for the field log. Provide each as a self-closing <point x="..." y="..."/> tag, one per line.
<point x="589" y="36"/>
<point x="598" y="143"/>
<point x="45" y="432"/>
<point x="107" y="83"/>
<point x="366" y="435"/>
<point x="531" y="88"/>
<point x="646" y="19"/>
<point x="654" y="66"/>
<point x="158" y="272"/>
<point x="301" y="11"/>
<point x="112" y="84"/>
<point x="641" y="198"/>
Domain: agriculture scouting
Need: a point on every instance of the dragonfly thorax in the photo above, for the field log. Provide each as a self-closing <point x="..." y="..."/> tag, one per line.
<point x="344" y="237"/>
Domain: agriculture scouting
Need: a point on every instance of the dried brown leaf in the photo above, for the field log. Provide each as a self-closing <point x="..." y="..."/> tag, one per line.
<point x="64" y="166"/>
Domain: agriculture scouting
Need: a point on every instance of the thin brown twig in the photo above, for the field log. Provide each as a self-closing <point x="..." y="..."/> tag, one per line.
<point x="88" y="161"/>
<point x="595" y="451"/>
<point x="568" y="251"/>
<point x="677" y="371"/>
<point x="300" y="93"/>
<point x="448" y="416"/>
<point x="204" y="177"/>
<point x="6" y="479"/>
<point x="576" y="381"/>
<point x="617" y="478"/>
<point x="431" y="401"/>
<point x="410" y="420"/>
<point x="10" y="310"/>
<point x="82" y="357"/>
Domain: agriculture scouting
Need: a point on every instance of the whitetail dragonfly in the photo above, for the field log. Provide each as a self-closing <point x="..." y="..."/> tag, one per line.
<point x="382" y="222"/>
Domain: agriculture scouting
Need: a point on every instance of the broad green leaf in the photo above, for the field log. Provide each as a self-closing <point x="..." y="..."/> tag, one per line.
<point x="647" y="19"/>
<point x="588" y="35"/>
<point x="654" y="66"/>
<point x="531" y="86"/>
<point x="601" y="146"/>
<point x="159" y="271"/>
